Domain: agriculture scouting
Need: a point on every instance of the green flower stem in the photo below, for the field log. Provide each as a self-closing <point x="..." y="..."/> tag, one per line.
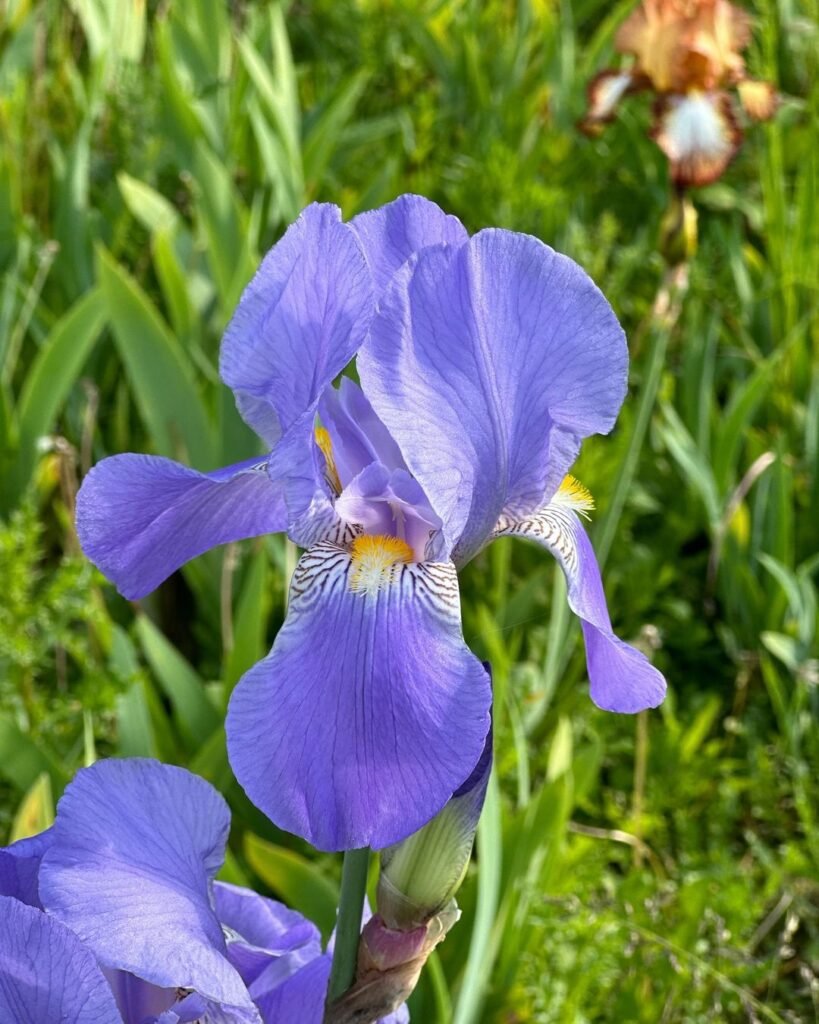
<point x="348" y="928"/>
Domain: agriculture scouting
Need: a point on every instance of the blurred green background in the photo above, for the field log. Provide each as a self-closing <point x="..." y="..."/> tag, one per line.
<point x="652" y="869"/>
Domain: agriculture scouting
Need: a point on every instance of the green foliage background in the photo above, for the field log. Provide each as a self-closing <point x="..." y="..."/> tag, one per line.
<point x="657" y="869"/>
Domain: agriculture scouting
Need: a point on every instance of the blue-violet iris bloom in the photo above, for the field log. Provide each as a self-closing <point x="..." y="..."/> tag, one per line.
<point x="483" y="363"/>
<point x="113" y="916"/>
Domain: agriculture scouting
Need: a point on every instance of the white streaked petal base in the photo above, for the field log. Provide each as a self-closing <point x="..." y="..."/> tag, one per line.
<point x="699" y="134"/>
<point x="370" y="711"/>
<point x="604" y="94"/>
<point x="621" y="677"/>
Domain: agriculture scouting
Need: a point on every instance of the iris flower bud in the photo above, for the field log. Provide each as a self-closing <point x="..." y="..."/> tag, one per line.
<point x="420" y="876"/>
<point x="416" y="905"/>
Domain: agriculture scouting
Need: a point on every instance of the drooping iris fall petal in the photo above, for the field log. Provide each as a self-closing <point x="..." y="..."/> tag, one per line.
<point x="46" y="974"/>
<point x="621" y="677"/>
<point x="370" y="710"/>
<point x="140" y="517"/>
<point x="699" y="134"/>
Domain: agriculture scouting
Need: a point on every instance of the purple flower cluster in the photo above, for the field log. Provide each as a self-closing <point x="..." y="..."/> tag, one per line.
<point x="113" y="916"/>
<point x="483" y="362"/>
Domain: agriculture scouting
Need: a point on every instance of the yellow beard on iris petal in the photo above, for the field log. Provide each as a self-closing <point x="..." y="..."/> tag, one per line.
<point x="574" y="495"/>
<point x="373" y="559"/>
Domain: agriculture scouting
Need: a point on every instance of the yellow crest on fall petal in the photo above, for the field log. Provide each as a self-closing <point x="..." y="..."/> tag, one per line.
<point x="372" y="560"/>
<point x="574" y="495"/>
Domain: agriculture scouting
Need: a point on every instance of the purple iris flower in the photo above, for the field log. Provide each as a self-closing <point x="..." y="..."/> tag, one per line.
<point x="46" y="974"/>
<point x="483" y="363"/>
<point x="124" y="909"/>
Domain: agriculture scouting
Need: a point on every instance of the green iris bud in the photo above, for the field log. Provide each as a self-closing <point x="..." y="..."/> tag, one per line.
<point x="421" y="874"/>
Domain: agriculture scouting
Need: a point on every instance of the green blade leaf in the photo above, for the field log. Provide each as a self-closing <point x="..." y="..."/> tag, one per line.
<point x="49" y="381"/>
<point x="36" y="813"/>
<point x="194" y="715"/>
<point x="479" y="964"/>
<point x="23" y="761"/>
<point x="161" y="376"/>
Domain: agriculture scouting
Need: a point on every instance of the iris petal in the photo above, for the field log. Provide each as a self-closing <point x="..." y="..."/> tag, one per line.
<point x="20" y="867"/>
<point x="262" y="933"/>
<point x="369" y="711"/>
<point x="698" y="133"/>
<point x="46" y="974"/>
<point x="138" y="1000"/>
<point x="391" y="503"/>
<point x="140" y="517"/>
<point x="604" y="94"/>
<point x="299" y="322"/>
<point x="488" y="364"/>
<point x="392" y="233"/>
<point x="358" y="436"/>
<point x="135" y="886"/>
<point x="620" y="676"/>
<point x="299" y="998"/>
<point x="759" y="99"/>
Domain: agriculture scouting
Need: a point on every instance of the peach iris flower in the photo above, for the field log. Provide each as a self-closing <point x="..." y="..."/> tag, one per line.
<point x="689" y="53"/>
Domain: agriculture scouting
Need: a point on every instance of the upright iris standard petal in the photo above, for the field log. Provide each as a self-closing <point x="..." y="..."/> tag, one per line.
<point x="392" y="503"/>
<point x="46" y="975"/>
<point x="357" y="436"/>
<point x="20" y="868"/>
<point x="299" y="322"/>
<point x="759" y="99"/>
<point x="140" y="517"/>
<point x="488" y="364"/>
<point x="621" y="677"/>
<point x="393" y="233"/>
<point x="136" y="846"/>
<point x="370" y="710"/>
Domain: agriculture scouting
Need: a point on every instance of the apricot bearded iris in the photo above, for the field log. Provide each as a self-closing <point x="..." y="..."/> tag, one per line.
<point x="689" y="53"/>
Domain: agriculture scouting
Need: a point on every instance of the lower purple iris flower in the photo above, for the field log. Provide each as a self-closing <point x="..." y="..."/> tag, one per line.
<point x="483" y="363"/>
<point x="113" y="915"/>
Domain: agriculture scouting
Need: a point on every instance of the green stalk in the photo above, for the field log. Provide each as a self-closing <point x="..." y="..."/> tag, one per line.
<point x="348" y="929"/>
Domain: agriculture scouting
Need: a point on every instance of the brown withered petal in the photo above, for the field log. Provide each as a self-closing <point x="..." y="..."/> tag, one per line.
<point x="759" y="99"/>
<point x="604" y="92"/>
<point x="698" y="133"/>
